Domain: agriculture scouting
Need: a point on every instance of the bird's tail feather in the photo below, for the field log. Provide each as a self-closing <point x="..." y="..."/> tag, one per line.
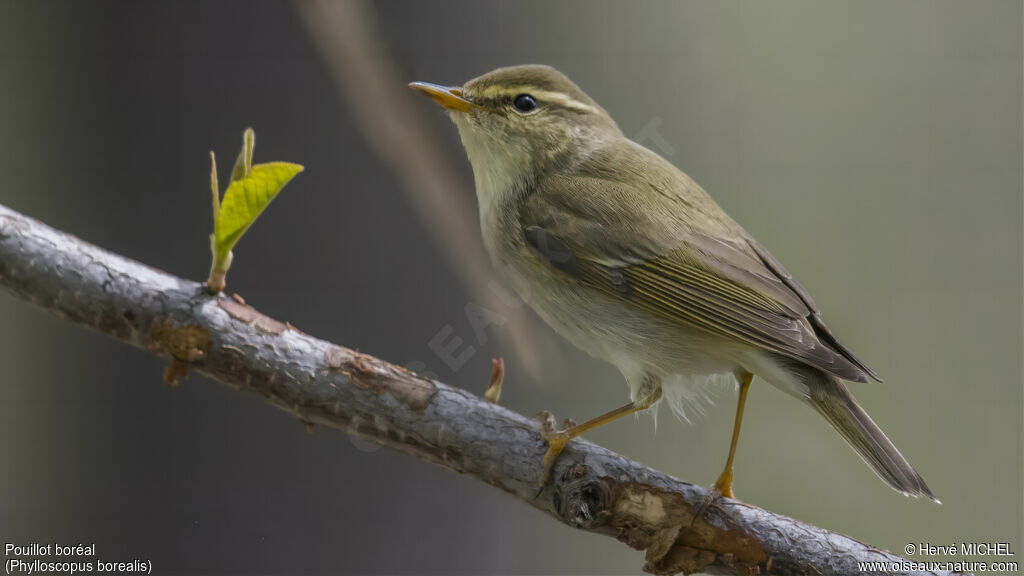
<point x="829" y="396"/>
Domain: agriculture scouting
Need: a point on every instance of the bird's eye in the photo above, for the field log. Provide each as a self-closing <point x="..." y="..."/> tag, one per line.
<point x="524" y="103"/>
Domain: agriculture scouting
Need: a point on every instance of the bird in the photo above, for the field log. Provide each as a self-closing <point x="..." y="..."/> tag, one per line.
<point x="629" y="259"/>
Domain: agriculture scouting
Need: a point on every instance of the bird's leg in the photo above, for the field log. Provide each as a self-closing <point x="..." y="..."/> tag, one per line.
<point x="557" y="439"/>
<point x="723" y="485"/>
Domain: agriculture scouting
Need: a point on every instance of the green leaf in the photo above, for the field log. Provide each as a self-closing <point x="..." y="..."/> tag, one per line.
<point x="246" y="199"/>
<point x="243" y="164"/>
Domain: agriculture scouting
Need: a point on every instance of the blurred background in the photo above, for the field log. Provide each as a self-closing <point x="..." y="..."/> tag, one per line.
<point x="874" y="147"/>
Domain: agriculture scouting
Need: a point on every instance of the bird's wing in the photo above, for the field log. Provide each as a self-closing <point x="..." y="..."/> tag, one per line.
<point x="696" y="267"/>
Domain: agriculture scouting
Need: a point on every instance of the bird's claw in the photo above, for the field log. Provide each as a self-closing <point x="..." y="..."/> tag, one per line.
<point x="713" y="496"/>
<point x="710" y="499"/>
<point x="556" y="439"/>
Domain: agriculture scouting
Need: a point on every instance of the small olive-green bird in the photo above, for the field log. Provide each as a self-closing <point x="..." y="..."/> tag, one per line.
<point x="629" y="259"/>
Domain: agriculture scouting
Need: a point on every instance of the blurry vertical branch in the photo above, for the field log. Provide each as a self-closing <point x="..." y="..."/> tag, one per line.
<point x="399" y="133"/>
<point x="323" y="383"/>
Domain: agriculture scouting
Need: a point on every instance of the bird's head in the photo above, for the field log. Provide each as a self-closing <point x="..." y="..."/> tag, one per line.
<point x="521" y="122"/>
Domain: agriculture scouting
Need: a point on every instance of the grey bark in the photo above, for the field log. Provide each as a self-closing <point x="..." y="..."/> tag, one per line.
<point x="322" y="383"/>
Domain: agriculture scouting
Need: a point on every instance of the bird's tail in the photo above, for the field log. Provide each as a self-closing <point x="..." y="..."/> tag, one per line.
<point x="829" y="396"/>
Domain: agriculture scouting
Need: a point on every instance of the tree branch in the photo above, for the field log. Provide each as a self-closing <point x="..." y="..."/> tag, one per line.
<point x="323" y="383"/>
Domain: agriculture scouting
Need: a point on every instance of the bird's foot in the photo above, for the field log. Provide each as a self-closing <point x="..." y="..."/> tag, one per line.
<point x="723" y="486"/>
<point x="556" y="439"/>
<point x="710" y="499"/>
<point x="721" y="489"/>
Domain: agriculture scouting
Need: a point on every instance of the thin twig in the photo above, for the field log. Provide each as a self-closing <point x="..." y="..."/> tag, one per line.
<point x="493" y="392"/>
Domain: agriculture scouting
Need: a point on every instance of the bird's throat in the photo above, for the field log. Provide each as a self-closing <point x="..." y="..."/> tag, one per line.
<point x="500" y="169"/>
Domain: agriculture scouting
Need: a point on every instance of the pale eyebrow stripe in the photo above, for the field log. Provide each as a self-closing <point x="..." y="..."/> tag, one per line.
<point x="560" y="98"/>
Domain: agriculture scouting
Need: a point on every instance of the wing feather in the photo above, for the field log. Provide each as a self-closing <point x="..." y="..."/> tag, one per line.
<point x="681" y="258"/>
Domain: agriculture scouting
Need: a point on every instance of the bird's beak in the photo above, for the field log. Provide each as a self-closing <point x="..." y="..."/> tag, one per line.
<point x="450" y="98"/>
